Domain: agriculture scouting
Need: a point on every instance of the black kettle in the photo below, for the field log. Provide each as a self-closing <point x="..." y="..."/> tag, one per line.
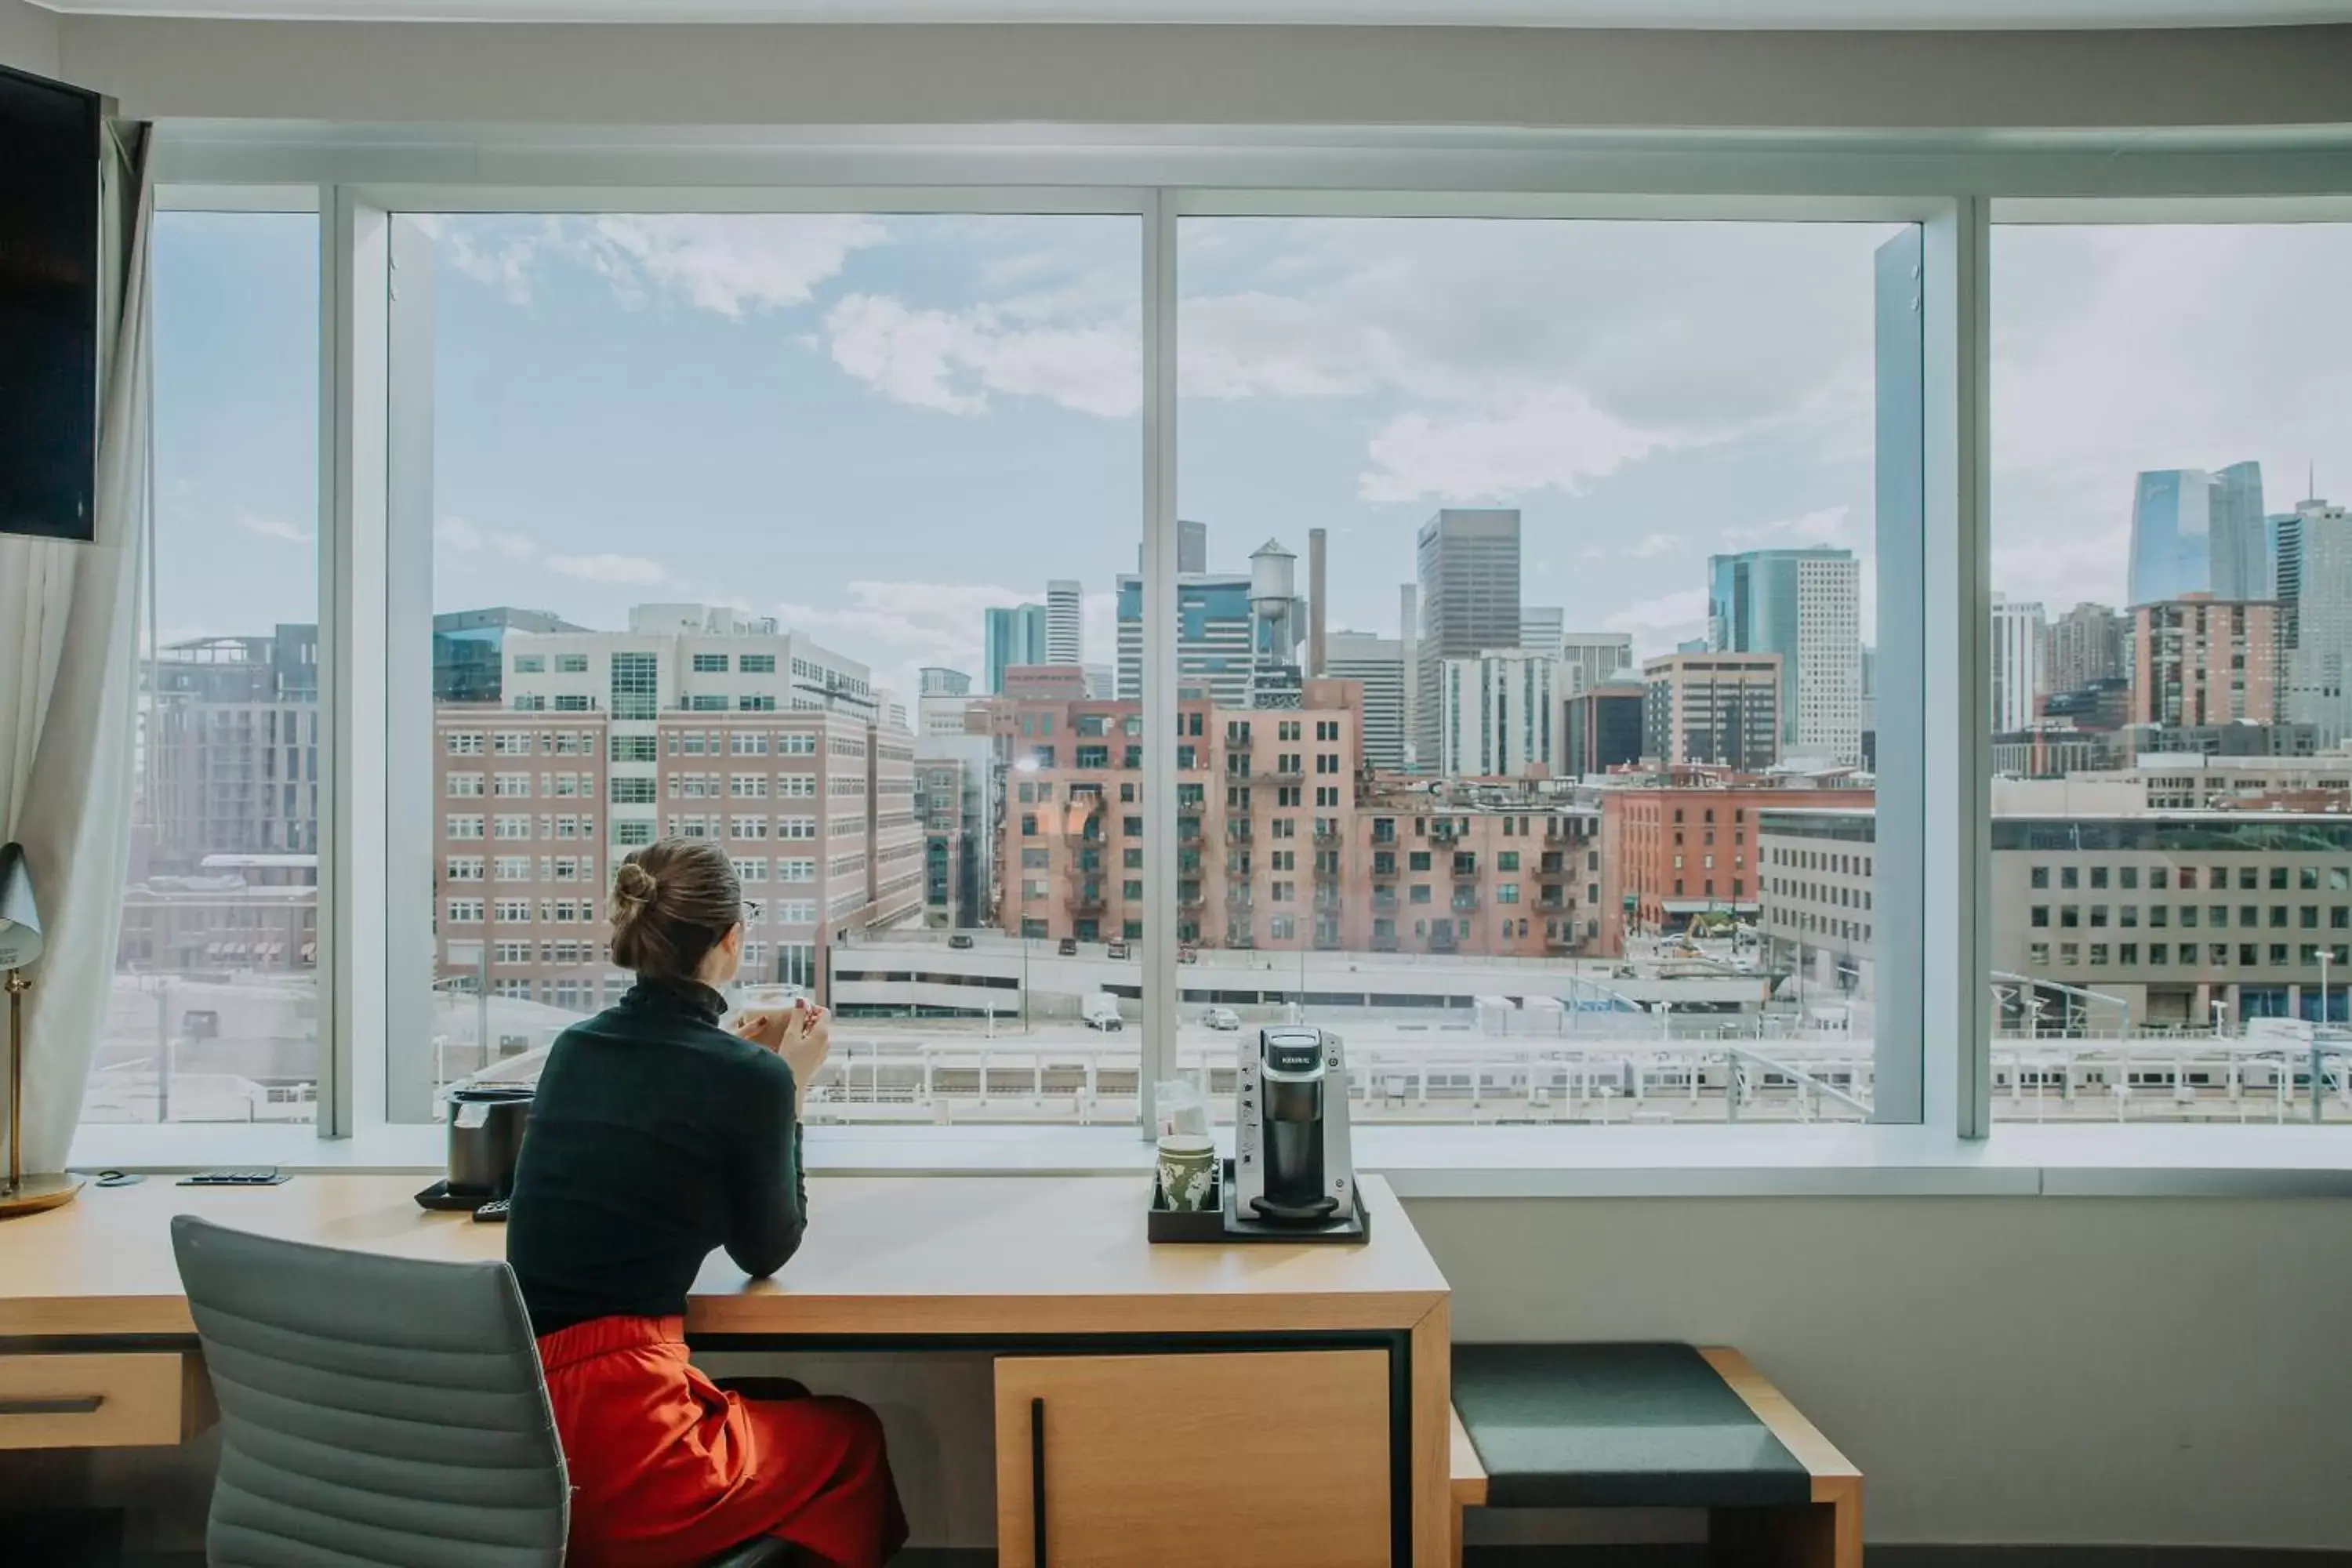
<point x="487" y="1122"/>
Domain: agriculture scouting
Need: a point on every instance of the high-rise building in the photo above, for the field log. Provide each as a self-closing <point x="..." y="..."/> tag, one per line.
<point x="1192" y="546"/>
<point x="1409" y="654"/>
<point x="1713" y="710"/>
<point x="1014" y="634"/>
<point x="1805" y="607"/>
<point x="469" y="649"/>
<point x="1592" y="658"/>
<point x="1601" y="725"/>
<point x="2017" y="678"/>
<point x="1468" y="563"/>
<point x="1542" y="629"/>
<point x="955" y="779"/>
<point x="2240" y="536"/>
<point x="943" y="699"/>
<point x="1238" y="635"/>
<point x="1212" y="636"/>
<point x="2319" y="678"/>
<point x="231" y="749"/>
<point x="1319" y="592"/>
<point x="1498" y="715"/>
<point x="1102" y="682"/>
<point x="2197" y="532"/>
<point x="1066" y="621"/>
<point x="1377" y="663"/>
<point x="2083" y="648"/>
<point x="2201" y="660"/>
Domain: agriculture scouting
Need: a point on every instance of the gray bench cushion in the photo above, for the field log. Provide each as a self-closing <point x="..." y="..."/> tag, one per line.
<point x="1622" y="1426"/>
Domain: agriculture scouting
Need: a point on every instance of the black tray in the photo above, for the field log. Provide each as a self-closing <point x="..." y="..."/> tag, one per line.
<point x="1222" y="1224"/>
<point x="441" y="1200"/>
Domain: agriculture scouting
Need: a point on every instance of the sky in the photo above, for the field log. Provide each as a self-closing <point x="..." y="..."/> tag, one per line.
<point x="876" y="427"/>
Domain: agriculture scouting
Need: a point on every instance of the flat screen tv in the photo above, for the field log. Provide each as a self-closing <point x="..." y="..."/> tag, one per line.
<point x="48" y="307"/>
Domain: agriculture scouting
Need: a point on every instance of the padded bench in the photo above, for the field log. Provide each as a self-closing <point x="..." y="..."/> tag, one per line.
<point x="1653" y="1426"/>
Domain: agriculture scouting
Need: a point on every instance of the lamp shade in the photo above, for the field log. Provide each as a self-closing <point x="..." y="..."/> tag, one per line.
<point x="20" y="919"/>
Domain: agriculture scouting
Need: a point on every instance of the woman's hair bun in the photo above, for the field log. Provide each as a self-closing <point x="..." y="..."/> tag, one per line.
<point x="635" y="883"/>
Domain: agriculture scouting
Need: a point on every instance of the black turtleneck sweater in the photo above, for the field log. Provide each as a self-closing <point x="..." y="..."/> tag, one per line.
<point x="656" y="1137"/>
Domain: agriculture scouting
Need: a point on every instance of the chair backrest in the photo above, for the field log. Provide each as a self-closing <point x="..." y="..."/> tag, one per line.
<point x="373" y="1409"/>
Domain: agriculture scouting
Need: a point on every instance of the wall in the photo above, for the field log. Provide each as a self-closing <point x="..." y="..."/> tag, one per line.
<point x="28" y="38"/>
<point x="2046" y="1370"/>
<point x="728" y="75"/>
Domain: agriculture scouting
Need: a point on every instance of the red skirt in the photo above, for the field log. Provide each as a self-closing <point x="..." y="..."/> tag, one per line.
<point x="670" y="1470"/>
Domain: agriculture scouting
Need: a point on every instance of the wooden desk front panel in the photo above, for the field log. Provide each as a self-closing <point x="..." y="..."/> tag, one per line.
<point x="1267" y="1459"/>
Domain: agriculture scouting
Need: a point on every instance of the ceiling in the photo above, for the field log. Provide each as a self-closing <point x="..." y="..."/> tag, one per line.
<point x="1777" y="14"/>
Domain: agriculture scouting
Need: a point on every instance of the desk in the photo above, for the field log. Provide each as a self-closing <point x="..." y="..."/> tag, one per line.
<point x="1264" y="1360"/>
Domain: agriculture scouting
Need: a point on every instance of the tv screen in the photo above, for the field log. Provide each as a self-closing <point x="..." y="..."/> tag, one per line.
<point x="48" y="307"/>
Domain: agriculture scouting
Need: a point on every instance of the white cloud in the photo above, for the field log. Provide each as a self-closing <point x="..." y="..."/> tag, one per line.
<point x="1826" y="525"/>
<point x="276" y="528"/>
<point x="900" y="625"/>
<point x="1659" y="624"/>
<point x="952" y="361"/>
<point x="456" y="536"/>
<point x="1555" y="439"/>
<point x="731" y="264"/>
<point x="626" y="571"/>
<point x="1534" y="355"/>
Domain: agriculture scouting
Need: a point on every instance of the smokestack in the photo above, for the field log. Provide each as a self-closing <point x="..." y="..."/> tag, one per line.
<point x="1409" y="654"/>
<point x="1315" y="620"/>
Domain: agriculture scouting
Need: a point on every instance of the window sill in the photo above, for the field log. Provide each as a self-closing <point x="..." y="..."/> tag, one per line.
<point x="2022" y="1160"/>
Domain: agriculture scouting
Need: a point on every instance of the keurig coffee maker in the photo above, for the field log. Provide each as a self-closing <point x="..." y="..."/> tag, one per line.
<point x="1291" y="1164"/>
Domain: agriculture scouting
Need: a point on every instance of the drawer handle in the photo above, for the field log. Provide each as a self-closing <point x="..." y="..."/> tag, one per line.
<point x="1038" y="1479"/>
<point x="54" y="1405"/>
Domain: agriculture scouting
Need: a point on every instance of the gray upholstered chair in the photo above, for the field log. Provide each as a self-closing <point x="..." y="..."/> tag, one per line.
<point x="376" y="1409"/>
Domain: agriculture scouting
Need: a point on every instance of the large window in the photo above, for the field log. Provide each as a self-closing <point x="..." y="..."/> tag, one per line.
<point x="1528" y="630"/>
<point x="1526" y="724"/>
<point x="804" y="535"/>
<point x="2171" y="870"/>
<point x="214" y="1010"/>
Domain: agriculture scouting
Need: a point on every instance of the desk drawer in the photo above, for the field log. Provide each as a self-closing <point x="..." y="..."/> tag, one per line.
<point x="135" y="1400"/>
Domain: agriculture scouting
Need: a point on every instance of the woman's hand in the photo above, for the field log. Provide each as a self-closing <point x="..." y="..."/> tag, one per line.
<point x="761" y="1027"/>
<point x="806" y="1037"/>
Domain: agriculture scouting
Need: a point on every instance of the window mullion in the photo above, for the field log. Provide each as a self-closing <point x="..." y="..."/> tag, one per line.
<point x="1157" y="1060"/>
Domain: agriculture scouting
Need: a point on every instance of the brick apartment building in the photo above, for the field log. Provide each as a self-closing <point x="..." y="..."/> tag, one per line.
<point x="698" y="725"/>
<point x="1283" y="841"/>
<point x="2201" y="660"/>
<point x="1668" y="854"/>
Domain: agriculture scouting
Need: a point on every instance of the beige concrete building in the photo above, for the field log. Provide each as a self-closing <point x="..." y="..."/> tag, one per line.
<point x="1717" y="710"/>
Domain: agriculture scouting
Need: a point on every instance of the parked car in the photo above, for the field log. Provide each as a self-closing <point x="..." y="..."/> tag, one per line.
<point x="1069" y="948"/>
<point x="959" y="940"/>
<point x="1221" y="1018"/>
<point x="1115" y="949"/>
<point x="1101" y="1012"/>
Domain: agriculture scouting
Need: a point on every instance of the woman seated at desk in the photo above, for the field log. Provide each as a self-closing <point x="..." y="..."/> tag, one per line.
<point x="657" y="1136"/>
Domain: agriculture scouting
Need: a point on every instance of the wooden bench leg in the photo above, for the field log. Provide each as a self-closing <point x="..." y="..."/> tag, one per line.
<point x="1825" y="1534"/>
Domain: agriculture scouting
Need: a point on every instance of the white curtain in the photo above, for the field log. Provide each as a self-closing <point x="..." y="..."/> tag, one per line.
<point x="69" y="688"/>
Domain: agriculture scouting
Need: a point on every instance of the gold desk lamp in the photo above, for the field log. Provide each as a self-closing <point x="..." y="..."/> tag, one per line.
<point x="20" y="944"/>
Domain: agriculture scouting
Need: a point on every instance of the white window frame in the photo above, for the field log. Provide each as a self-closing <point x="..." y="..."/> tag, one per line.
<point x="374" y="561"/>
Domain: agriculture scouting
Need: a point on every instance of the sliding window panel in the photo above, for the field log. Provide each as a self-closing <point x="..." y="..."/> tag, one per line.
<point x="2171" y="632"/>
<point x="800" y="534"/>
<point x="1527" y="586"/>
<point x="215" y="1012"/>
